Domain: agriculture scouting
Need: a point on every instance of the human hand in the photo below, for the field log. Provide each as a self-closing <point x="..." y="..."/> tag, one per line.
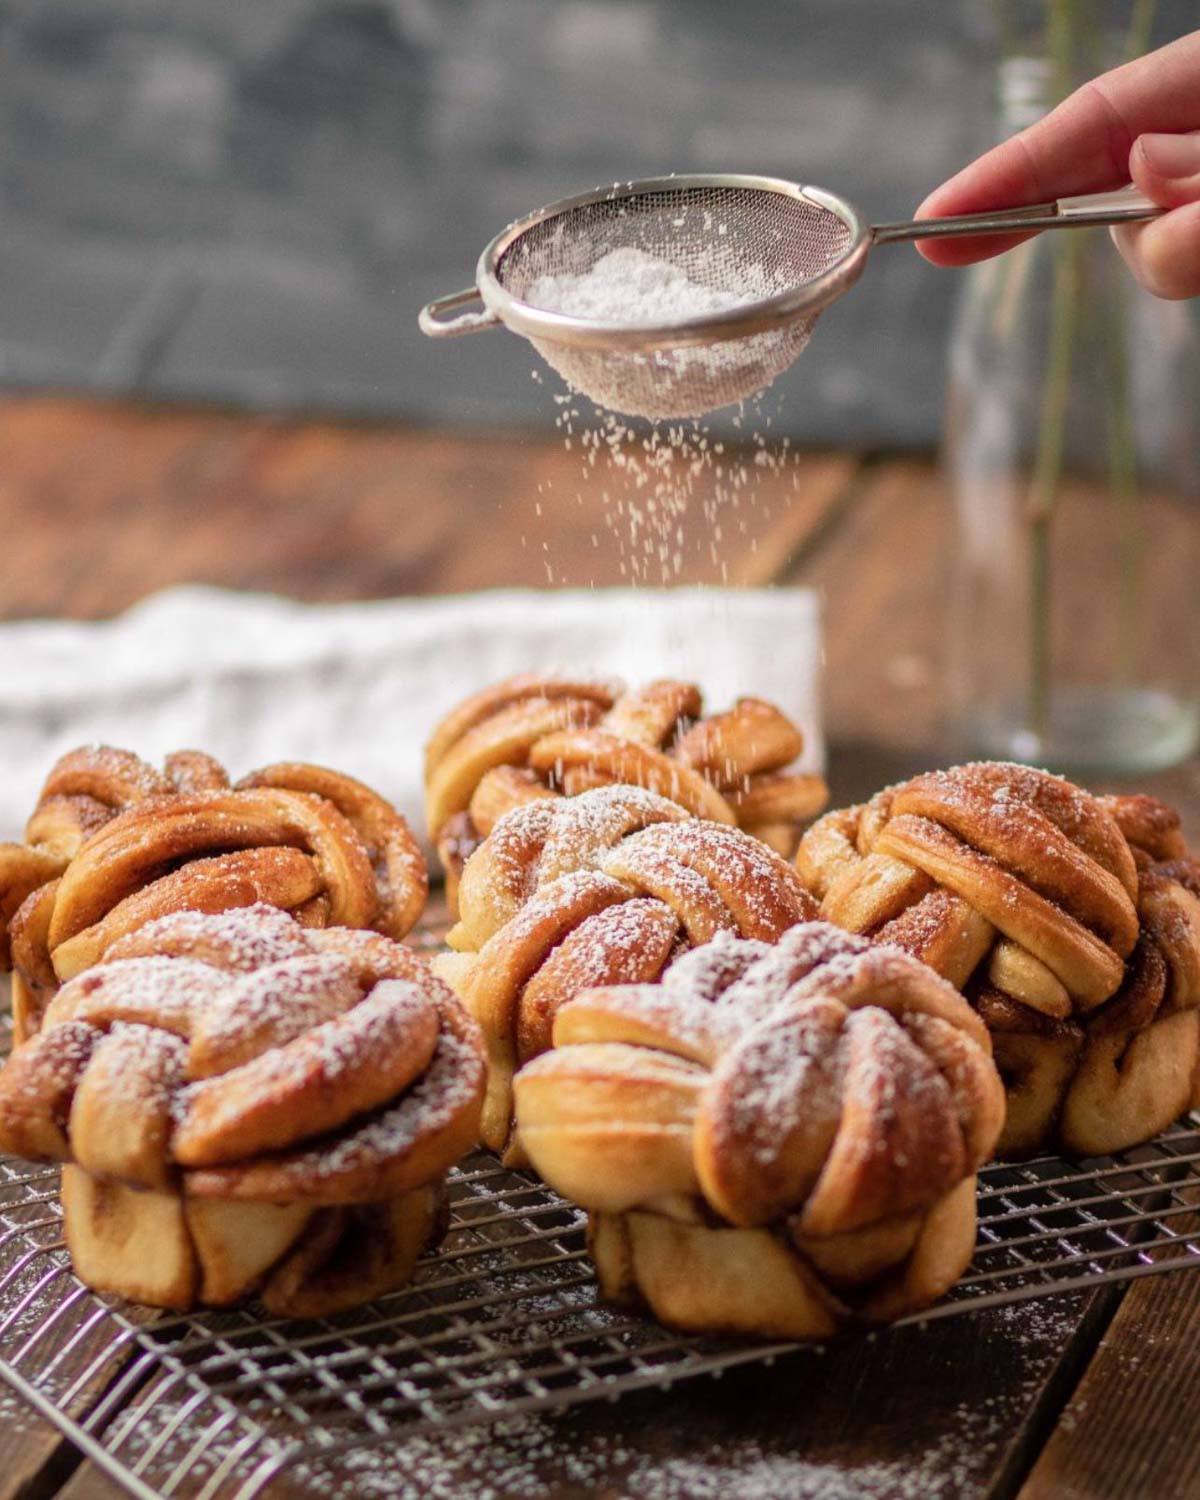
<point x="1141" y="122"/>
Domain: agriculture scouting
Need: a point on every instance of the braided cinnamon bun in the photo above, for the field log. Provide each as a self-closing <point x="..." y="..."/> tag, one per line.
<point x="114" y="844"/>
<point x="245" y="1105"/>
<point x="776" y="1140"/>
<point x="1069" y="920"/>
<point x="603" y="888"/>
<point x="537" y="737"/>
<point x="85" y="789"/>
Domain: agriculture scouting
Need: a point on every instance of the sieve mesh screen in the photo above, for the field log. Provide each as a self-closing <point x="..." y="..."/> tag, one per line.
<point x="753" y="243"/>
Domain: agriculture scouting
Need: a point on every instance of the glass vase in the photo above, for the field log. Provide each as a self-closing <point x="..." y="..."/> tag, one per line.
<point x="1071" y="451"/>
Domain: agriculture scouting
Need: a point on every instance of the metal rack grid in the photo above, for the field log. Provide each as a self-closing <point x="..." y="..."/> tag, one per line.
<point x="504" y="1320"/>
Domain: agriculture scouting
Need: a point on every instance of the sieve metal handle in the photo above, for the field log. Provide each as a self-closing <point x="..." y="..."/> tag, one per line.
<point x="1122" y="206"/>
<point x="437" y="328"/>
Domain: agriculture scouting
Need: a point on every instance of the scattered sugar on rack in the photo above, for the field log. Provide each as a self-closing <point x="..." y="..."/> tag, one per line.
<point x="604" y="1449"/>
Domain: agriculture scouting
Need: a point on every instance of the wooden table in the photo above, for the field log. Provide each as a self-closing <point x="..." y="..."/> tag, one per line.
<point x="1091" y="1395"/>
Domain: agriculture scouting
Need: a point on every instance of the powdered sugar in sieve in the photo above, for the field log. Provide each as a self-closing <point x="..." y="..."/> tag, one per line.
<point x="629" y="285"/>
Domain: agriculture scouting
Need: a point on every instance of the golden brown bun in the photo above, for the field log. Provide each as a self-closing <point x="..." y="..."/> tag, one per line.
<point x="1071" y="921"/>
<point x="114" y="844"/>
<point x="773" y="1139"/>
<point x="245" y="1103"/>
<point x="539" y="736"/>
<point x="602" y="888"/>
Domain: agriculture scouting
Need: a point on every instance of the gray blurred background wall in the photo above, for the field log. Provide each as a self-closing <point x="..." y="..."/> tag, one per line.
<point x="247" y="200"/>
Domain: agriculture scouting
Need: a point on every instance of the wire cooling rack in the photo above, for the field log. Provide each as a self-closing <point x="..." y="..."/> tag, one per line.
<point x="505" y="1320"/>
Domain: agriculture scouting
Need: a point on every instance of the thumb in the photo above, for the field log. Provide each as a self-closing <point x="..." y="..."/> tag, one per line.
<point x="1164" y="254"/>
<point x="1167" y="167"/>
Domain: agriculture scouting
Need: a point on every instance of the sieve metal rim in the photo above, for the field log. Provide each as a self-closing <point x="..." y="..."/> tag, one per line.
<point x="762" y="315"/>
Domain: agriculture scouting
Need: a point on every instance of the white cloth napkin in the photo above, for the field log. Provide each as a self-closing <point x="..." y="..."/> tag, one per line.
<point x="253" y="678"/>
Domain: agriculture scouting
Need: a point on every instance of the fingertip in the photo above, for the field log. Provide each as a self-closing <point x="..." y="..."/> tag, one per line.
<point x="1142" y="174"/>
<point x="948" y="199"/>
<point x="931" y="206"/>
<point x="1169" y="192"/>
<point x="977" y="188"/>
<point x="943" y="203"/>
<point x="967" y="252"/>
<point x="948" y="253"/>
<point x="937" y="252"/>
<point x="1140" y="169"/>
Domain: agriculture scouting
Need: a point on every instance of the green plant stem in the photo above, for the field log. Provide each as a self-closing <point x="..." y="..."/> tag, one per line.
<point x="1065" y="28"/>
<point x="1062" y="34"/>
<point x="1122" y="443"/>
<point x="1123" y="488"/>
<point x="1047" y="472"/>
<point x="1141" y="24"/>
<point x="1071" y="38"/>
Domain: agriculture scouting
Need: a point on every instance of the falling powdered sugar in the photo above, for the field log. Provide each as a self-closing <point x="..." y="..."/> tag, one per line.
<point x="677" y="495"/>
<point x="653" y="479"/>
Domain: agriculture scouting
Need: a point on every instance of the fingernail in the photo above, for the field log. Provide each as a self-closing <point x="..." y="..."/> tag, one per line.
<point x="1172" y="155"/>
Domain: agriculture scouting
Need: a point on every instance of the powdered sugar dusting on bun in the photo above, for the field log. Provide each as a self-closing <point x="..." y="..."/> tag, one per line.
<point x="281" y="1043"/>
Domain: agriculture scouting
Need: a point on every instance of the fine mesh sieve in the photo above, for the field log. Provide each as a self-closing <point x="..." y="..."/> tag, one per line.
<point x="784" y="250"/>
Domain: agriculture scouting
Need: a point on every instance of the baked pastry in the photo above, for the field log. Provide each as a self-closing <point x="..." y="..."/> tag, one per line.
<point x="1069" y="920"/>
<point x="603" y="888"/>
<point x="775" y="1140"/>
<point x="1139" y="1066"/>
<point x="84" y="790"/>
<point x="533" y="737"/>
<point x="114" y="843"/>
<point x="243" y="1104"/>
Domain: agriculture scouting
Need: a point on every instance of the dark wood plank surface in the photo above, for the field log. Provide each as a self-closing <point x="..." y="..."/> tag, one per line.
<point x="99" y="505"/>
<point x="34" y="1460"/>
<point x="1129" y="1429"/>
